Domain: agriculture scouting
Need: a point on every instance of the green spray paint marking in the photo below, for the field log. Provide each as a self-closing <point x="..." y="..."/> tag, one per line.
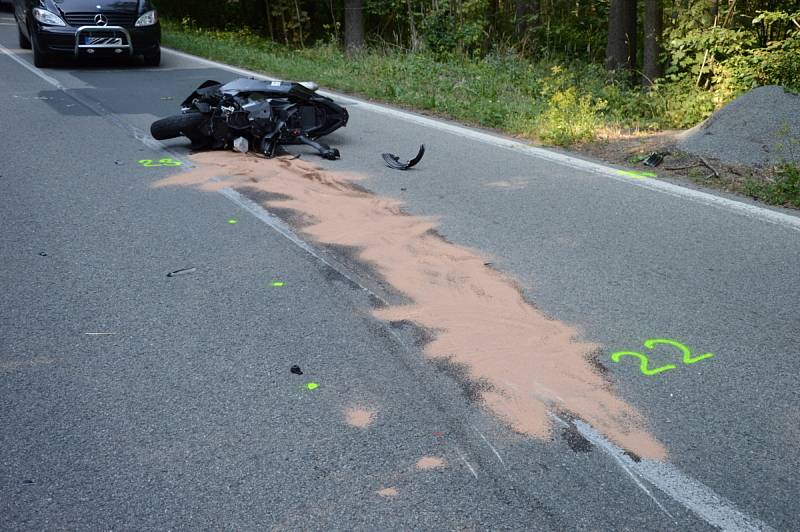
<point x="635" y="174"/>
<point x="160" y="162"/>
<point x="312" y="385"/>
<point x="651" y="344"/>
<point x="232" y="221"/>
<point x="277" y="283"/>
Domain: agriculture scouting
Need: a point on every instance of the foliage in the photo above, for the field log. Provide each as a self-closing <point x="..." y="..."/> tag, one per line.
<point x="743" y="47"/>
<point x="784" y="189"/>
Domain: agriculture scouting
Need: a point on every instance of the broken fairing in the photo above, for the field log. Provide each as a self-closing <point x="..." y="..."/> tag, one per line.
<point x="393" y="161"/>
<point x="255" y="114"/>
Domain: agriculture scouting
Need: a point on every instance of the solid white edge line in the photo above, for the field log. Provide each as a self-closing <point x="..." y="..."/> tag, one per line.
<point x="753" y="211"/>
<point x="688" y="492"/>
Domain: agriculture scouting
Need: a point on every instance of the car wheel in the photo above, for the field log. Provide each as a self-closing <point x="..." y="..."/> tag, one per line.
<point x="153" y="59"/>
<point x="24" y="42"/>
<point x="40" y="59"/>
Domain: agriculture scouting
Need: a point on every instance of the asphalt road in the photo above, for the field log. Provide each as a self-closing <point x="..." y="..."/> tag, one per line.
<point x="187" y="416"/>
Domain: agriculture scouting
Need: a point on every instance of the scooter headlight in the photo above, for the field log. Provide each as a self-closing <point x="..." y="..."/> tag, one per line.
<point x="148" y="19"/>
<point x="47" y="17"/>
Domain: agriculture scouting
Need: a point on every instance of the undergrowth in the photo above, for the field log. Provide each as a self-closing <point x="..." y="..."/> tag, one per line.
<point x="783" y="189"/>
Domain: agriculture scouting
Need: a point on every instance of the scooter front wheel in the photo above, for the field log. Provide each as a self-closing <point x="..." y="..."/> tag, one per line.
<point x="186" y="125"/>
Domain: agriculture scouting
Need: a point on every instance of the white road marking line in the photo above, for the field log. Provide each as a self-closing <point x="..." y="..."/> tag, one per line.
<point x="490" y="446"/>
<point x="464" y="459"/>
<point x="752" y="211"/>
<point x="696" y="496"/>
<point x="688" y="492"/>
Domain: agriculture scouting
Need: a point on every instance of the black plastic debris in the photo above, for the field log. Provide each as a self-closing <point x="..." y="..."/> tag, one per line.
<point x="296" y="370"/>
<point x="43" y="254"/>
<point x="654" y="159"/>
<point x="393" y="161"/>
<point x="184" y="271"/>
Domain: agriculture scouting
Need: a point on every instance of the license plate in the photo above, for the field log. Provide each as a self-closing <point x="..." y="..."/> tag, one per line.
<point x="113" y="41"/>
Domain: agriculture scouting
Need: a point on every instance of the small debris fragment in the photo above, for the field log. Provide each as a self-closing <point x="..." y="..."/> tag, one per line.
<point x="42" y="253"/>
<point x="167" y="97"/>
<point x="296" y="370"/>
<point x="184" y="271"/>
<point x="277" y="284"/>
<point x="388" y="492"/>
<point x="100" y="334"/>
<point x="654" y="159"/>
<point x="312" y="385"/>
<point x="241" y="145"/>
<point x="28" y="481"/>
<point x="393" y="161"/>
<point x="232" y="221"/>
<point x="403" y="189"/>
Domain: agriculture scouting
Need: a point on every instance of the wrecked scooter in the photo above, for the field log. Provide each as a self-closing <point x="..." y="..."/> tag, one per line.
<point x="264" y="115"/>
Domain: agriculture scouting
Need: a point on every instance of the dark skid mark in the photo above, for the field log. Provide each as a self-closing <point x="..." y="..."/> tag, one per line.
<point x="575" y="440"/>
<point x="633" y="456"/>
<point x="293" y="218"/>
<point x="333" y="275"/>
<point x="472" y="389"/>
<point x="421" y="336"/>
<point x="184" y="271"/>
<point x="349" y="258"/>
<point x="594" y="358"/>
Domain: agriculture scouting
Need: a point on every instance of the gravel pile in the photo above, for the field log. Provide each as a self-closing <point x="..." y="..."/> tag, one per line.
<point x="759" y="128"/>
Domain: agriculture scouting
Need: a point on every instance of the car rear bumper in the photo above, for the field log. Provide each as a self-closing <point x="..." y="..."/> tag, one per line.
<point x="69" y="40"/>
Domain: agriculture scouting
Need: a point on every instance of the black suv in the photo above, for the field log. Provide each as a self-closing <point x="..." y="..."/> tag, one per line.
<point x="88" y="28"/>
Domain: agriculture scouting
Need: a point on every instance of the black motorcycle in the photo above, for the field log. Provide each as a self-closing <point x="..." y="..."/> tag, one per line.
<point x="254" y="114"/>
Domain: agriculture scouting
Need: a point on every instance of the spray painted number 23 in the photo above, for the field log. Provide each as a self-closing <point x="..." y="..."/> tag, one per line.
<point x="160" y="162"/>
<point x="650" y="344"/>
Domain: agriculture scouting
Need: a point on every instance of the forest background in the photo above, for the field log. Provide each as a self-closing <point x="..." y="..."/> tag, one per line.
<point x="558" y="72"/>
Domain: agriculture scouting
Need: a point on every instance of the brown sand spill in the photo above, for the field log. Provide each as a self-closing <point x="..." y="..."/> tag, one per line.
<point x="534" y="364"/>
<point x="388" y="492"/>
<point x="360" y="417"/>
<point x="430" y="462"/>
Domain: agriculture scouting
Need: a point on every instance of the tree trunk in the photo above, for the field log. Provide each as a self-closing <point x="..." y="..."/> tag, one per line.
<point x="299" y="24"/>
<point x="269" y="20"/>
<point x="353" y="25"/>
<point x="621" y="44"/>
<point x="522" y="12"/>
<point x="653" y="22"/>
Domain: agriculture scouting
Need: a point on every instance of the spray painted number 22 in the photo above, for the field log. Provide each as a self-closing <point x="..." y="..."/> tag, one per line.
<point x="644" y="362"/>
<point x="160" y="162"/>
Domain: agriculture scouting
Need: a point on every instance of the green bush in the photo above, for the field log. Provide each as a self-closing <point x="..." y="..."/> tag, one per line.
<point x="783" y="190"/>
<point x="570" y="118"/>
